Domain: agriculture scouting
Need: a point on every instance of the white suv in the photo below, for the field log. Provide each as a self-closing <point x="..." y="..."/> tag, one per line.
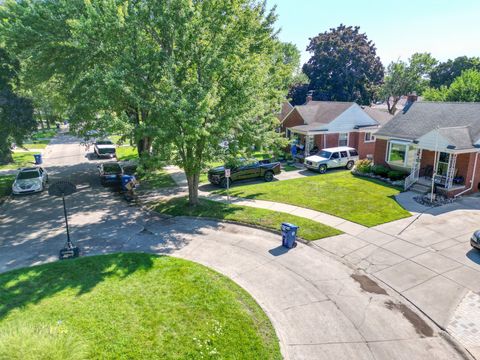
<point x="30" y="180"/>
<point x="332" y="158"/>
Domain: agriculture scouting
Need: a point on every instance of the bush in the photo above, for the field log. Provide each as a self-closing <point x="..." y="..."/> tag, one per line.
<point x="396" y="175"/>
<point x="380" y="170"/>
<point x="363" y="166"/>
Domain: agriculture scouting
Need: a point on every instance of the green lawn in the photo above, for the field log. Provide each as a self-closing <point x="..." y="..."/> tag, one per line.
<point x="309" y="229"/>
<point x="44" y="134"/>
<point x="156" y="179"/>
<point x="6" y="182"/>
<point x="20" y="159"/>
<point x="41" y="144"/>
<point x="129" y="306"/>
<point x="287" y="167"/>
<point x="125" y="153"/>
<point x="364" y="201"/>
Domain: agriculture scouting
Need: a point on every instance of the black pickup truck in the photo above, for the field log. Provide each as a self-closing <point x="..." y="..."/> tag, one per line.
<point x="243" y="170"/>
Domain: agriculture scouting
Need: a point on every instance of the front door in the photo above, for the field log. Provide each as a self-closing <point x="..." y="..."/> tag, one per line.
<point x="334" y="160"/>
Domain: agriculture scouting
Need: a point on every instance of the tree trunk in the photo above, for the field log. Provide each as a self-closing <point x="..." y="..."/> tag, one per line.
<point x="193" y="180"/>
<point x="144" y="145"/>
<point x="5" y="153"/>
<point x="392" y="109"/>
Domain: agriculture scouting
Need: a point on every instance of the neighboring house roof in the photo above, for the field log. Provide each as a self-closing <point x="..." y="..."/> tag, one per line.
<point x="332" y="116"/>
<point x="381" y="116"/>
<point x="457" y="123"/>
<point x="286" y="108"/>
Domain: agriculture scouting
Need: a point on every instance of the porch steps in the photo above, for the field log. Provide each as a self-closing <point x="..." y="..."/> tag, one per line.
<point x="420" y="188"/>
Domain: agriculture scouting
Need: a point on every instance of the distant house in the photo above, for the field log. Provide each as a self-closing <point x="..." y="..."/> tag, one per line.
<point x="324" y="124"/>
<point x="436" y="143"/>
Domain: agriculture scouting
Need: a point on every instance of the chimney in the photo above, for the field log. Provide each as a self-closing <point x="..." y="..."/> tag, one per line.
<point x="309" y="96"/>
<point x="411" y="98"/>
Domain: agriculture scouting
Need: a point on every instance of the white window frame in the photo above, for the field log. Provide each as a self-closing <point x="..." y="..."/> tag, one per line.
<point x="372" y="137"/>
<point x="408" y="147"/>
<point x="348" y="138"/>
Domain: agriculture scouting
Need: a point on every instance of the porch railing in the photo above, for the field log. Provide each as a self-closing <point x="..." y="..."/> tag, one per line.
<point x="412" y="178"/>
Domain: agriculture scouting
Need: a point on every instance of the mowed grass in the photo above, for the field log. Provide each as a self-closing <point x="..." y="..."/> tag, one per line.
<point x="129" y="306"/>
<point x="363" y="201"/>
<point x="6" y="182"/>
<point x="309" y="229"/>
<point x="156" y="179"/>
<point x="20" y="159"/>
<point x="125" y="153"/>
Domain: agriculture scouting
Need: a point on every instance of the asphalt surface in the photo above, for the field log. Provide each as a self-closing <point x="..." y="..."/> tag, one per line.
<point x="320" y="307"/>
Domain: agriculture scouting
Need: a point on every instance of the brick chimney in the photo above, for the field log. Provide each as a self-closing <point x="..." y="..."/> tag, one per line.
<point x="411" y="98"/>
<point x="309" y="96"/>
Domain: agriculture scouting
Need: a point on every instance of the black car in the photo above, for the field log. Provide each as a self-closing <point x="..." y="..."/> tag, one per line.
<point x="243" y="170"/>
<point x="475" y="240"/>
<point x="110" y="173"/>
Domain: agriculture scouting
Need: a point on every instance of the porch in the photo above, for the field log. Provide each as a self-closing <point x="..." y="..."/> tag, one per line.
<point x="446" y="171"/>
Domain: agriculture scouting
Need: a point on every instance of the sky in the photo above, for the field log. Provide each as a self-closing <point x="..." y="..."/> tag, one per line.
<point x="444" y="28"/>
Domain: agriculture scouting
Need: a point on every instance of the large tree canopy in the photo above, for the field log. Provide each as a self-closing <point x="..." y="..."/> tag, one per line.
<point x="16" y="112"/>
<point x="180" y="76"/>
<point x="344" y="66"/>
<point x="446" y="72"/>
<point x="465" y="87"/>
<point x="403" y="78"/>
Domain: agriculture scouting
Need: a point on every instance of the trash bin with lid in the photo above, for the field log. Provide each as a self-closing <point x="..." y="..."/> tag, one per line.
<point x="125" y="180"/>
<point x="289" y="235"/>
<point x="38" y="159"/>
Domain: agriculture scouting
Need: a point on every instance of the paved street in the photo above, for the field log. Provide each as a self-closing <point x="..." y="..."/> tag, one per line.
<point x="320" y="307"/>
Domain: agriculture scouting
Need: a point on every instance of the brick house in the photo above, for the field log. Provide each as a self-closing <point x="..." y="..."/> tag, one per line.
<point x="437" y="143"/>
<point x="325" y="124"/>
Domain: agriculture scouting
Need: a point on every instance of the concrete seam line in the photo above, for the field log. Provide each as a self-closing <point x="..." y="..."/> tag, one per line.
<point x="455" y="344"/>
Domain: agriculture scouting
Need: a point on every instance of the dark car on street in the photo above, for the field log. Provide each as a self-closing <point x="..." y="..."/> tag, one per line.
<point x="243" y="170"/>
<point x="110" y="173"/>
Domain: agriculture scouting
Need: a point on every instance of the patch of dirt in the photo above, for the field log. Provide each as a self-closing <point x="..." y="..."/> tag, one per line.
<point x="421" y="327"/>
<point x="368" y="284"/>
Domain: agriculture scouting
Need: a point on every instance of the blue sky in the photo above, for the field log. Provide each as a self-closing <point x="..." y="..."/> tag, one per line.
<point x="445" y="28"/>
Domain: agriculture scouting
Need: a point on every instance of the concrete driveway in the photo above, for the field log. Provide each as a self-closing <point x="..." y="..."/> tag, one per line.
<point x="427" y="259"/>
<point x="320" y="307"/>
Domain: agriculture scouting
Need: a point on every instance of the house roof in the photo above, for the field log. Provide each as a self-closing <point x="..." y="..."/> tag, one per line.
<point x="310" y="127"/>
<point x="381" y="116"/>
<point x="457" y="122"/>
<point x="322" y="111"/>
<point x="285" y="110"/>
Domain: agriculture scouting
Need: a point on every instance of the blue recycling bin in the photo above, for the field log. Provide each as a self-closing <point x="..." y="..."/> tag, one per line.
<point x="38" y="159"/>
<point x="289" y="235"/>
<point x="125" y="180"/>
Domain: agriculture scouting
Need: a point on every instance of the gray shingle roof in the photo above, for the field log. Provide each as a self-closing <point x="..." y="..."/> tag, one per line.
<point x="322" y="111"/>
<point x="286" y="108"/>
<point x="459" y="137"/>
<point x="381" y="116"/>
<point x="422" y="117"/>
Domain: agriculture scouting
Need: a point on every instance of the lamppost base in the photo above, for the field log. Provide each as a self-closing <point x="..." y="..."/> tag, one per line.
<point x="69" y="253"/>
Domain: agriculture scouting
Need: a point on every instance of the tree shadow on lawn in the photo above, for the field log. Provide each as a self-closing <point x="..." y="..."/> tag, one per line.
<point x="27" y="286"/>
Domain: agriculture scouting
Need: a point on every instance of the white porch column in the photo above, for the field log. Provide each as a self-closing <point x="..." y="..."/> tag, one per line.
<point x="451" y="172"/>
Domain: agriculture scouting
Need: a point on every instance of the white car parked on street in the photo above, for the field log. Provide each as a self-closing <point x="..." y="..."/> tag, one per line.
<point x="332" y="158"/>
<point x="30" y="180"/>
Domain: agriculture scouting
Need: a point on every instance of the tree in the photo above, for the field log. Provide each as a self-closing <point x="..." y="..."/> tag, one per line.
<point x="16" y="112"/>
<point x="446" y="72"/>
<point x="403" y="78"/>
<point x="179" y="76"/>
<point x="344" y="66"/>
<point x="465" y="87"/>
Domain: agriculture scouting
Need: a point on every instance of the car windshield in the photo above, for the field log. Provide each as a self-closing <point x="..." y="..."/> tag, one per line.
<point x="325" y="154"/>
<point x="104" y="142"/>
<point x="112" y="169"/>
<point x="106" y="151"/>
<point x="24" y="175"/>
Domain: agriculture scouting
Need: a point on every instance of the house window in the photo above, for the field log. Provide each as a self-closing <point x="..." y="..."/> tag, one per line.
<point x="343" y="139"/>
<point x="369" y="137"/>
<point x="401" y="155"/>
<point x="443" y="161"/>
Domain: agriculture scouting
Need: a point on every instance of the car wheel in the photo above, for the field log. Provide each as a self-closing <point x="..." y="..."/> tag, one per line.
<point x="268" y="176"/>
<point x="350" y="165"/>
<point x="322" y="169"/>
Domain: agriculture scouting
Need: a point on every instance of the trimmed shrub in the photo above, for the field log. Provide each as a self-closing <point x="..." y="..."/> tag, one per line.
<point x="363" y="166"/>
<point x="380" y="170"/>
<point x="396" y="175"/>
